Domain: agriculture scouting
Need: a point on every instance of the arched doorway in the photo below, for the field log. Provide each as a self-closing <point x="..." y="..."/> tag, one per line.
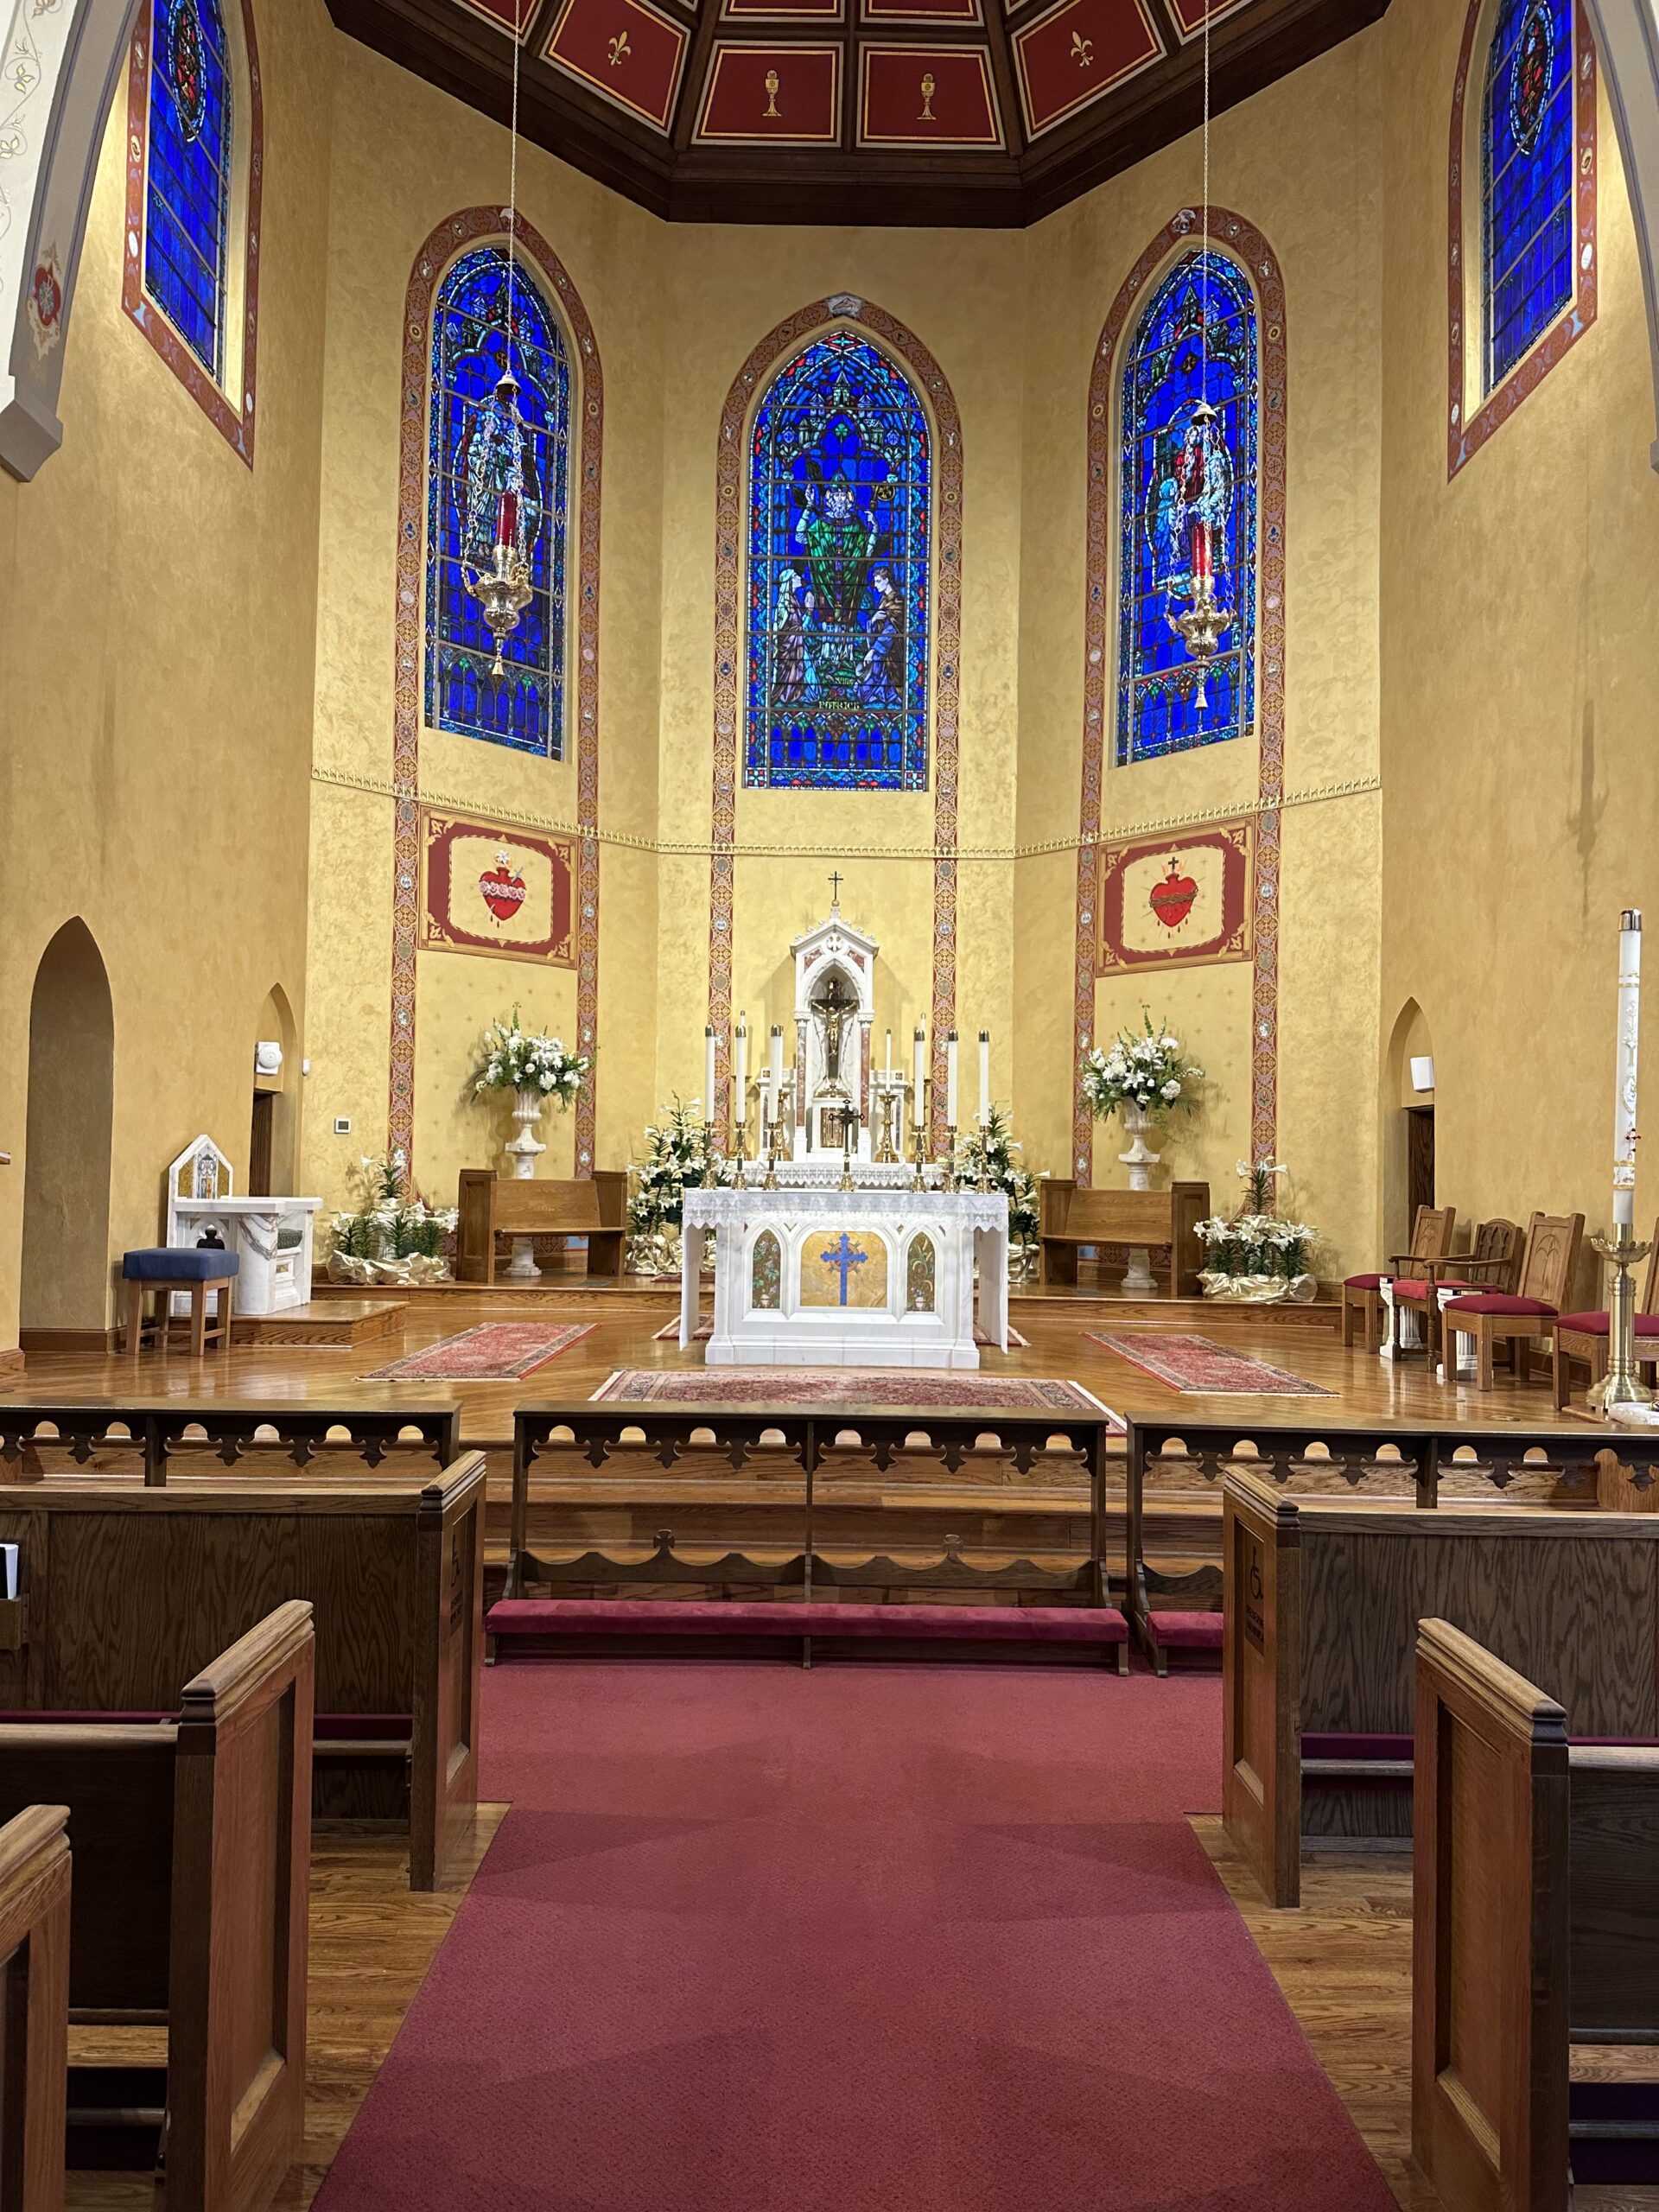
<point x="66" y="1275"/>
<point x="1408" y="1125"/>
<point x="274" y="1131"/>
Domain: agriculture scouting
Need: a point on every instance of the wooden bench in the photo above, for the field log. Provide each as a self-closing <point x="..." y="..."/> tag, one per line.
<point x="1534" y="1924"/>
<point x="1072" y="1216"/>
<point x="804" y="1462"/>
<point x="191" y="1842"/>
<point x="125" y="1590"/>
<point x="34" y="1891"/>
<point x="494" y="1205"/>
<point x="107" y="1435"/>
<point x="1323" y="1602"/>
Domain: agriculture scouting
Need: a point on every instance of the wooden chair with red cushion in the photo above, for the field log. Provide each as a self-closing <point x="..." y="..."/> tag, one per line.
<point x="1585" y="1337"/>
<point x="1515" y="1318"/>
<point x="1362" y="1295"/>
<point x="1490" y="1264"/>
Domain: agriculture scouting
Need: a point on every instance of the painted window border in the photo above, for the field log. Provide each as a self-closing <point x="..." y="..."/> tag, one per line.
<point x="901" y="368"/>
<point x="557" y="746"/>
<point x="1468" y="431"/>
<point x="1127" y="352"/>
<point x="231" y="417"/>
<point x="1248" y="245"/>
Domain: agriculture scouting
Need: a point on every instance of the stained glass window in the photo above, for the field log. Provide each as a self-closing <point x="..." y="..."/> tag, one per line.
<point x="1188" y="496"/>
<point x="1527" y="215"/>
<point x="187" y="190"/>
<point x="479" y="451"/>
<point x="840" y="475"/>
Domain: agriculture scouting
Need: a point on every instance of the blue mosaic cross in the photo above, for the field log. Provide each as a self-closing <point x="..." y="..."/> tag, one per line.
<point x="843" y="1255"/>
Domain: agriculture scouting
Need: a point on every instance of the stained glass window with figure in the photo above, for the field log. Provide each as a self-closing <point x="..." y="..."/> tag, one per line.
<point x="1527" y="180"/>
<point x="187" y="189"/>
<point x="1188" y="496"/>
<point x="840" y="527"/>
<point x="480" y="449"/>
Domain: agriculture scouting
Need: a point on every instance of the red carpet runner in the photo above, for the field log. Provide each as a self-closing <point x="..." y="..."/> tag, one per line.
<point x="869" y="1939"/>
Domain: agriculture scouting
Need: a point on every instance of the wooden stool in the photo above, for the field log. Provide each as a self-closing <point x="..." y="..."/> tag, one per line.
<point x="198" y="1270"/>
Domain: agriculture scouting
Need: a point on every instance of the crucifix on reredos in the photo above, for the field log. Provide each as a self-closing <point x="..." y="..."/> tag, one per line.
<point x="835" y="1014"/>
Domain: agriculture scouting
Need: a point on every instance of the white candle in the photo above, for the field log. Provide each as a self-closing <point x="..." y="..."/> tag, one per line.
<point x="984" y="1078"/>
<point x="740" y="1067"/>
<point x="777" y="1070"/>
<point x="920" y="1077"/>
<point x="889" y="1059"/>
<point x="951" y="1081"/>
<point x="709" y="1074"/>
<point x="1630" y="1017"/>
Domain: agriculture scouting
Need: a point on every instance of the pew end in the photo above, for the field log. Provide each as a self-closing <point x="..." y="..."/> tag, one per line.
<point x="34" y="1904"/>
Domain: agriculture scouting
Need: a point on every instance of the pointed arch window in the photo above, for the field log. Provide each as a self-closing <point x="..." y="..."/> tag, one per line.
<point x="1184" y="497"/>
<point x="1527" y="180"/>
<point x="839" y="604"/>
<point x="479" y="453"/>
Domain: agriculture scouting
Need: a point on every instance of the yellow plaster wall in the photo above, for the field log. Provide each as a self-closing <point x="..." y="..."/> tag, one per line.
<point x="157" y="635"/>
<point x="1520" y="664"/>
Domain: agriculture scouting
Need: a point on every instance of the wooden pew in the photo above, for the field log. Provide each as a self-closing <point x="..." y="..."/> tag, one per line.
<point x="492" y="1205"/>
<point x="254" y="1434"/>
<point x="34" y="1892"/>
<point x="191" y="1844"/>
<point x="1071" y="1216"/>
<point x="125" y="1590"/>
<point x="1322" y="1606"/>
<point x="1534" y="1923"/>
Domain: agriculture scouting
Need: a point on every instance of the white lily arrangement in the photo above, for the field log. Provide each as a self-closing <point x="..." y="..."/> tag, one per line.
<point x="392" y="1229"/>
<point x="1256" y="1246"/>
<point x="515" y="1059"/>
<point x="675" y="1155"/>
<point x="1147" y="1069"/>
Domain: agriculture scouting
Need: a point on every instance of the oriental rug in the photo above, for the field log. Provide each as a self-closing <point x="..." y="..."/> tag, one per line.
<point x="495" y="1352"/>
<point x="848" y="1386"/>
<point x="1196" y="1364"/>
<point x="870" y="1938"/>
<point x="706" y="1329"/>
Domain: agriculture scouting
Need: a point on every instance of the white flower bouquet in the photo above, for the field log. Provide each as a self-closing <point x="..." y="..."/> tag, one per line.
<point x="1146" y="1070"/>
<point x="1255" y="1255"/>
<point x="515" y="1059"/>
<point x="392" y="1236"/>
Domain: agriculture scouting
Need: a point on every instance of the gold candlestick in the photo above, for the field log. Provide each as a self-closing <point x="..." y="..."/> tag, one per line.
<point x="918" y="1134"/>
<point x="1622" y="1385"/>
<point x="949" y="1183"/>
<point x="769" y="1130"/>
<point x="709" y="1179"/>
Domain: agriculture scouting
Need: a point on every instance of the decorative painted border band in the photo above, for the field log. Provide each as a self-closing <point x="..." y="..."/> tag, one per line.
<point x="451" y="237"/>
<point x="1465" y="439"/>
<point x="1250" y="249"/>
<point x="234" y="424"/>
<point x="730" y="532"/>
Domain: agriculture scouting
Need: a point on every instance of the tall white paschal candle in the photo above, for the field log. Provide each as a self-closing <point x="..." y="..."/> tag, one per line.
<point x="740" y="1067"/>
<point x="1630" y="1024"/>
<point x="777" y="1068"/>
<point x="919" y="1077"/>
<point x="951" y="1081"/>
<point x="709" y="1074"/>
<point x="984" y="1078"/>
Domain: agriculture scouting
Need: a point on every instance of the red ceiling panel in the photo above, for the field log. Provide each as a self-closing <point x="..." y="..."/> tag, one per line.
<point x="928" y="96"/>
<point x="782" y="11"/>
<point x="761" y="95"/>
<point x="1069" y="56"/>
<point x="922" y="11"/>
<point x="625" y="49"/>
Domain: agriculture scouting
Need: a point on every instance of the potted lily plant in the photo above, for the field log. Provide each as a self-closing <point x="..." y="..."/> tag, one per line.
<point x="1256" y="1256"/>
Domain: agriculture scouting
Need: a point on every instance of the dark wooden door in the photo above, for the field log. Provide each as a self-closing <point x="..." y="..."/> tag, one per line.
<point x="1420" y="1158"/>
<point x="265" y="1116"/>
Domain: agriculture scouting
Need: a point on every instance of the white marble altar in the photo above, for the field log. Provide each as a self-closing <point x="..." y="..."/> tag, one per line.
<point x="883" y="1275"/>
<point x="271" y="1238"/>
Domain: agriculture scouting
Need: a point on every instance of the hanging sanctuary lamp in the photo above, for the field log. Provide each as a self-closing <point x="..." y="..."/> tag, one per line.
<point x="1203" y="469"/>
<point x="491" y="464"/>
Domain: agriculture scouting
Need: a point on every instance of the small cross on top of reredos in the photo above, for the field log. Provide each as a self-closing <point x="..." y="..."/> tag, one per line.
<point x="835" y="880"/>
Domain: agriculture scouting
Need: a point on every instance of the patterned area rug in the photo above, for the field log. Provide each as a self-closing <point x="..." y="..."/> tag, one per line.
<point x="495" y="1352"/>
<point x="706" y="1329"/>
<point x="848" y="1386"/>
<point x="1196" y="1364"/>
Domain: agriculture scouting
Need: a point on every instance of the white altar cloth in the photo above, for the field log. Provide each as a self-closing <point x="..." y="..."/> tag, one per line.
<point x="815" y="1276"/>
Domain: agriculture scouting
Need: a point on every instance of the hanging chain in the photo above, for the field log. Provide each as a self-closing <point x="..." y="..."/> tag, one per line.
<point x="1203" y="261"/>
<point x="512" y="182"/>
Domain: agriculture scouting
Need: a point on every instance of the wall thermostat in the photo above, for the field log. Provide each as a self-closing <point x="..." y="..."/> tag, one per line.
<point x="342" y="1125"/>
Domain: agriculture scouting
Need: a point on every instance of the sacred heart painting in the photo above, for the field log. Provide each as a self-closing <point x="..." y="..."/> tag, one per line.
<point x="1180" y="901"/>
<point x="486" y="889"/>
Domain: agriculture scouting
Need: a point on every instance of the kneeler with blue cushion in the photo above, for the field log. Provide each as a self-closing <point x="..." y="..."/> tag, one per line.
<point x="198" y="1270"/>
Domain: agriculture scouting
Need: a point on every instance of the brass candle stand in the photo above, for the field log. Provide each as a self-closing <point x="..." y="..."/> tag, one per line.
<point x="918" y="1135"/>
<point x="769" y="1143"/>
<point x="710" y="1179"/>
<point x="949" y="1182"/>
<point x="1621" y="1385"/>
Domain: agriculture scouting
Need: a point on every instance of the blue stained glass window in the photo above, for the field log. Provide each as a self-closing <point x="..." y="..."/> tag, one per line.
<point x="470" y="442"/>
<point x="1166" y="702"/>
<point x="840" y="475"/>
<point x="1527" y="131"/>
<point x="188" y="193"/>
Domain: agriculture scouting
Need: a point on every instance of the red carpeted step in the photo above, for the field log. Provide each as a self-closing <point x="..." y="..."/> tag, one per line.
<point x="1187" y="1631"/>
<point x="689" y="1617"/>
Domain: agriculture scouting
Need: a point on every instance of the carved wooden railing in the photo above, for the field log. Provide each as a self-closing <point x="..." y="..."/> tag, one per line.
<point x="227" y="1429"/>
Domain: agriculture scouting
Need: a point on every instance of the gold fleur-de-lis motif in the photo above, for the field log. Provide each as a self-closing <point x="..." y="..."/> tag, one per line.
<point x="771" y="81"/>
<point x="619" y="49"/>
<point x="1082" y="50"/>
<point x="928" y="87"/>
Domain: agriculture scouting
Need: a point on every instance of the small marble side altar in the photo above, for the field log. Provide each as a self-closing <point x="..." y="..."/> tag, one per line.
<point x="271" y="1237"/>
<point x="883" y="1275"/>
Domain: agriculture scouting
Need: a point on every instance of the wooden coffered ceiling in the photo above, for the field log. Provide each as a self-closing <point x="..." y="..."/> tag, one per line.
<point x="969" y="113"/>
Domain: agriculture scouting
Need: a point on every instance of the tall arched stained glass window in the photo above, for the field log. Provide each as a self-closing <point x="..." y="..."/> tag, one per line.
<point x="187" y="188"/>
<point x="840" y="533"/>
<point x="476" y="452"/>
<point x="1526" y="179"/>
<point x="1184" y="497"/>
